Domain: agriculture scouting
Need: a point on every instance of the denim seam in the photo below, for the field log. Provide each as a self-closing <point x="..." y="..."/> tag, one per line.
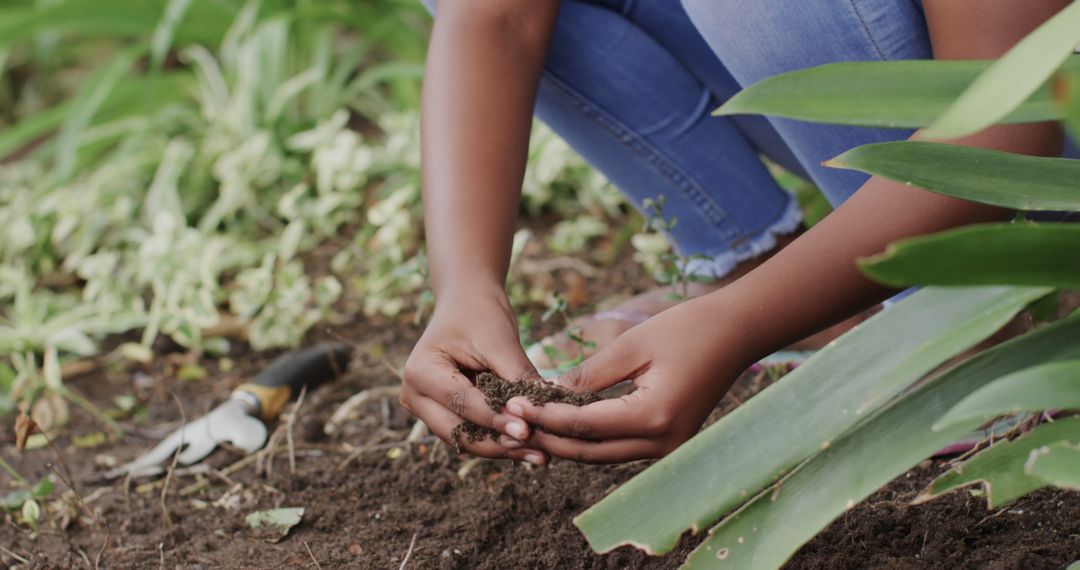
<point x="866" y="30"/>
<point x="660" y="163"/>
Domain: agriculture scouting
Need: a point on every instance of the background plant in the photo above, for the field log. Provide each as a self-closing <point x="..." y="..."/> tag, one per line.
<point x="862" y="411"/>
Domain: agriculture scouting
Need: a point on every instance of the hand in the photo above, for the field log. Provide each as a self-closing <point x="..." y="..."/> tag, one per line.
<point x="476" y="332"/>
<point x="681" y="362"/>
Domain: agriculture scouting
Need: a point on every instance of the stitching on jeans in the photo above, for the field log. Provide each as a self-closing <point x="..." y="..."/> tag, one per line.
<point x="866" y="30"/>
<point x="664" y="166"/>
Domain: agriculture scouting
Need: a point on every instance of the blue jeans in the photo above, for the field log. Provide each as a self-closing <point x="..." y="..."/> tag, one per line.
<point x="630" y="84"/>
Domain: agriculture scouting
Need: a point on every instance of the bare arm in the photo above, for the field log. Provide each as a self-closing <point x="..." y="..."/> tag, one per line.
<point x="483" y="69"/>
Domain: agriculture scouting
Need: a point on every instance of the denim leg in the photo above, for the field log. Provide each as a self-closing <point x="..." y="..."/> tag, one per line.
<point x="756" y="39"/>
<point x="629" y="102"/>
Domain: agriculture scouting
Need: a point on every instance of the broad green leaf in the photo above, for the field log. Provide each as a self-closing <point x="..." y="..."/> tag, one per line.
<point x="1058" y="464"/>
<point x="1047" y="387"/>
<point x="892" y="94"/>
<point x="1012" y="79"/>
<point x="775" y="524"/>
<point x="988" y="176"/>
<point x="1002" y="468"/>
<point x="764" y="439"/>
<point x="985" y="254"/>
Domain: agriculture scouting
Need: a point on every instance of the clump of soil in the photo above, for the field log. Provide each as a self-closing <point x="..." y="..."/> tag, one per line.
<point x="497" y="391"/>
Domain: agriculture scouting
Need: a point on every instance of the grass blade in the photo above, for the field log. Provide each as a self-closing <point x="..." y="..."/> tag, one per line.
<point x="992" y="177"/>
<point x="1001" y="468"/>
<point x="1012" y="79"/>
<point x="769" y="530"/>
<point x="840" y="386"/>
<point x="890" y="94"/>
<point x="986" y="254"/>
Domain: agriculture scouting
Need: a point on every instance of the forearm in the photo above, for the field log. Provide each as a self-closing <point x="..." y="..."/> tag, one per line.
<point x="483" y="69"/>
<point x="778" y="309"/>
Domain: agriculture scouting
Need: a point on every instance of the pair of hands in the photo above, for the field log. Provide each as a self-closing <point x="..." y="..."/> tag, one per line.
<point x="680" y="361"/>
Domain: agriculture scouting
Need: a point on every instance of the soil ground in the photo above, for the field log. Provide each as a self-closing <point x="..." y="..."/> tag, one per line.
<point x="371" y="499"/>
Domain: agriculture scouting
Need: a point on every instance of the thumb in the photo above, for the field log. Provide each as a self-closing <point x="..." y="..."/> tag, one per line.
<point x="511" y="363"/>
<point x="612" y="364"/>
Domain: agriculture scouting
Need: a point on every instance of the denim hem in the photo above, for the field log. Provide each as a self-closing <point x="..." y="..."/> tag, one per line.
<point x="720" y="264"/>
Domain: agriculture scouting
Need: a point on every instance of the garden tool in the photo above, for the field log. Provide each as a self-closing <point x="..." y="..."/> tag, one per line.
<point x="239" y="420"/>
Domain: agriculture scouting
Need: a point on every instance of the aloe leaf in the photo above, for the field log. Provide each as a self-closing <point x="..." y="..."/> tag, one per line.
<point x="1058" y="464"/>
<point x="1046" y="387"/>
<point x="985" y="254"/>
<point x="1012" y="79"/>
<point x="989" y="176"/>
<point x="891" y="94"/>
<point x="771" y="528"/>
<point x="1001" y="469"/>
<point x="764" y="439"/>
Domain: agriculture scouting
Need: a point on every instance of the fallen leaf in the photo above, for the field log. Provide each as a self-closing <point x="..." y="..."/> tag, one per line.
<point x="24" y="426"/>
<point x="274" y="523"/>
<point x="50" y="412"/>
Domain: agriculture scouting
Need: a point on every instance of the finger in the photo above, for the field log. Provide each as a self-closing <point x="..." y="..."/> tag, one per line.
<point x="442" y="424"/>
<point x="601" y="452"/>
<point x="439" y="379"/>
<point x="615" y="418"/>
<point x="511" y="363"/>
<point x="614" y="363"/>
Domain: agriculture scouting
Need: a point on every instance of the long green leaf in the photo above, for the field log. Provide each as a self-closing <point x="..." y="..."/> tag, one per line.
<point x="1001" y="468"/>
<point x="769" y="530"/>
<point x="1046" y="387"/>
<point x="988" y="176"/>
<point x="892" y="94"/>
<point x="86" y="104"/>
<point x="1059" y="464"/>
<point x="1012" y="79"/>
<point x="204" y="23"/>
<point x="762" y="440"/>
<point x="986" y="254"/>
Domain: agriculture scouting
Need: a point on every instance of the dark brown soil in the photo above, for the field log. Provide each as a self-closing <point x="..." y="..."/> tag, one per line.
<point x="497" y="391"/>
<point x="371" y="498"/>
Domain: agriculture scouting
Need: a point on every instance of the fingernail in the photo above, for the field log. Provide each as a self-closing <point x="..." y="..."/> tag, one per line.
<point x="515" y="408"/>
<point x="510" y="443"/>
<point x="534" y="458"/>
<point x="517" y="430"/>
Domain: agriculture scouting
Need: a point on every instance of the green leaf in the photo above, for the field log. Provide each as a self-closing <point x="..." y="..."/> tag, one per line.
<point x="89" y="100"/>
<point x="988" y="176"/>
<point x="1058" y="464"/>
<point x="1012" y="79"/>
<point x="175" y="11"/>
<point x="764" y="439"/>
<point x="1001" y="468"/>
<point x="892" y="94"/>
<point x="770" y="529"/>
<point x="274" y="523"/>
<point x="1046" y="387"/>
<point x="985" y="254"/>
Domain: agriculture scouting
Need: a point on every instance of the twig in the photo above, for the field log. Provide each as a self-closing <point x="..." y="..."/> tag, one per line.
<point x="67" y="480"/>
<point x="13" y="555"/>
<point x="419" y="431"/>
<point x="95" y="411"/>
<point x="289" y="423"/>
<point x="161" y="555"/>
<point x="317" y="565"/>
<point x="172" y="467"/>
<point x="85" y="558"/>
<point x="345" y="412"/>
<point x="379" y="447"/>
<point x="408" y="554"/>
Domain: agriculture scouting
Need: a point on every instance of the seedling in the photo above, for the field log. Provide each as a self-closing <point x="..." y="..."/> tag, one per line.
<point x="674" y="269"/>
<point x="558" y="306"/>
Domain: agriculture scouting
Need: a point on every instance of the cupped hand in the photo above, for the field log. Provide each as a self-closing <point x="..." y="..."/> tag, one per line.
<point x="476" y="331"/>
<point x="681" y="363"/>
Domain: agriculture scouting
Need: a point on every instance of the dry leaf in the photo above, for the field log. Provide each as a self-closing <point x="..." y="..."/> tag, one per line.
<point x="24" y="426"/>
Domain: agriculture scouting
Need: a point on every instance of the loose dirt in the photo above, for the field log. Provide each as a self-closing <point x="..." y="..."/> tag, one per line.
<point x="497" y="391"/>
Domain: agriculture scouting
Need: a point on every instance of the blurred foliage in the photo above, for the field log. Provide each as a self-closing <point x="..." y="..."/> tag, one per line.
<point x="197" y="168"/>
